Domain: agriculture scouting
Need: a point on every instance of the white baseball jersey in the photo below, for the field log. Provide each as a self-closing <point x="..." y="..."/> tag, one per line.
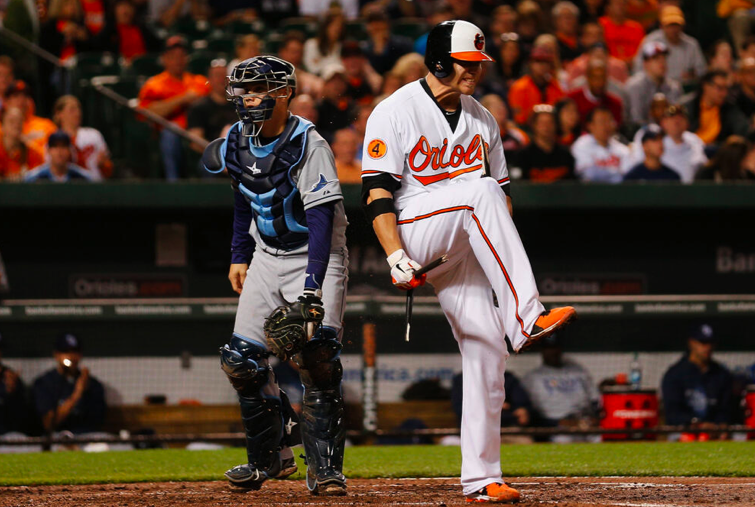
<point x="89" y="145"/>
<point x="594" y="162"/>
<point x="445" y="206"/>
<point x="408" y="137"/>
<point x="686" y="158"/>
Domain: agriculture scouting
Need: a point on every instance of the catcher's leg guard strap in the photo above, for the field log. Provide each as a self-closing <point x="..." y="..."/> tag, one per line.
<point x="323" y="430"/>
<point x="245" y="363"/>
<point x="291" y="423"/>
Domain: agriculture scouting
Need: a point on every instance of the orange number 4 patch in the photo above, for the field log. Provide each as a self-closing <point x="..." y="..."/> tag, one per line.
<point x="377" y="148"/>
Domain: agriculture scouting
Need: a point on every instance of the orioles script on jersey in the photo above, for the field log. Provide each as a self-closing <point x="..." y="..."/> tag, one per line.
<point x="423" y="155"/>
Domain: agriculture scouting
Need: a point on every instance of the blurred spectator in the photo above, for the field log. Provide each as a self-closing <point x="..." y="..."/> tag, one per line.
<point x="36" y="129"/>
<point x="360" y="125"/>
<point x="529" y="25"/>
<point x="544" y="160"/>
<point x="739" y="16"/>
<point x="508" y="67"/>
<point x="744" y="91"/>
<point x="59" y="169"/>
<point x="537" y="87"/>
<point x="68" y="397"/>
<point x="645" y="12"/>
<point x="391" y="83"/>
<point x="598" y="156"/>
<point x="711" y="115"/>
<point x="651" y="168"/>
<point x="697" y="391"/>
<point x="517" y="406"/>
<point x="562" y="392"/>
<point x="345" y="146"/>
<point x="349" y="8"/>
<point x="409" y="68"/>
<point x="16" y="156"/>
<point x="721" y="58"/>
<point x="125" y="36"/>
<point x="247" y="46"/>
<point x="209" y="115"/>
<point x="363" y="83"/>
<point x="550" y="43"/>
<point x="747" y="49"/>
<point x="167" y="12"/>
<point x="7" y="76"/>
<point x="169" y="94"/>
<point x="93" y="15"/>
<point x="595" y="92"/>
<point x="566" y="23"/>
<point x="304" y="105"/>
<point x="568" y="122"/>
<point x="622" y="35"/>
<point x="512" y="137"/>
<point x="685" y="58"/>
<point x="732" y="162"/>
<point x="64" y="33"/>
<point x="324" y="50"/>
<point x="617" y="69"/>
<point x="89" y="149"/>
<point x="383" y="48"/>
<point x="441" y="12"/>
<point x="292" y="50"/>
<point x="592" y="11"/>
<point x="683" y="151"/>
<point x="335" y="111"/>
<point x="642" y="87"/>
<point x="12" y="398"/>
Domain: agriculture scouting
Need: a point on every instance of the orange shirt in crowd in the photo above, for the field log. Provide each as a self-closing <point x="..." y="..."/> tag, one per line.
<point x="164" y="86"/>
<point x="16" y="162"/>
<point x="645" y="12"/>
<point x="37" y="130"/>
<point x="94" y="15"/>
<point x="349" y="172"/>
<point x="622" y="40"/>
<point x="131" y="41"/>
<point x="710" y="123"/>
<point x="524" y="94"/>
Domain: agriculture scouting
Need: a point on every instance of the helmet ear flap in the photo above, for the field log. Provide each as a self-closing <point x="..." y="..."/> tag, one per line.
<point x="437" y="55"/>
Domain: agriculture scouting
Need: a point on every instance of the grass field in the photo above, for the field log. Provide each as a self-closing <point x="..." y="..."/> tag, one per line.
<point x="725" y="459"/>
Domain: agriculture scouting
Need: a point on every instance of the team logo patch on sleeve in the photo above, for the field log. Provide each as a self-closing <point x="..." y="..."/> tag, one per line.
<point x="377" y="148"/>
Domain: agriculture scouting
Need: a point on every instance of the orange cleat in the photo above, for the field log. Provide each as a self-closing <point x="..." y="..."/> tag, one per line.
<point x="548" y="323"/>
<point x="495" y="493"/>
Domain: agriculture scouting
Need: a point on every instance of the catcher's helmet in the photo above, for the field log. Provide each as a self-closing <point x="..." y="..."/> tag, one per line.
<point x="271" y="71"/>
<point x="454" y="40"/>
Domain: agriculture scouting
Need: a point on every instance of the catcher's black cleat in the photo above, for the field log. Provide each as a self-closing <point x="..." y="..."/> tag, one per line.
<point x="333" y="485"/>
<point x="288" y="467"/>
<point x="246" y="476"/>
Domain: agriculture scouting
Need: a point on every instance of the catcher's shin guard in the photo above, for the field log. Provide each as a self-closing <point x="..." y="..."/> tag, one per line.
<point x="323" y="429"/>
<point x="245" y="363"/>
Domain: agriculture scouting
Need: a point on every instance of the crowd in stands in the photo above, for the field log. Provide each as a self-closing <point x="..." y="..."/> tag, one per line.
<point x="576" y="86"/>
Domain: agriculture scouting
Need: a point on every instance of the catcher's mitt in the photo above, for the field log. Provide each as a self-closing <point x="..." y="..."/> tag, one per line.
<point x="289" y="327"/>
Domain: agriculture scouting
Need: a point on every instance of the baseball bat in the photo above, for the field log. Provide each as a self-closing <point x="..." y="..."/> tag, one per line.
<point x="485" y="161"/>
<point x="410" y="293"/>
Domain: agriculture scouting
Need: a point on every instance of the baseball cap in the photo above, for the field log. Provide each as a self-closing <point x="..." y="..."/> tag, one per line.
<point x="674" y="110"/>
<point x="671" y="14"/>
<point x="351" y="48"/>
<point x="542" y="54"/>
<point x="67" y="342"/>
<point x="59" y="138"/>
<point x="653" y="48"/>
<point x="468" y="43"/>
<point x="652" y="132"/>
<point x="176" y="41"/>
<point x="332" y="70"/>
<point x="703" y="333"/>
<point x="18" y="86"/>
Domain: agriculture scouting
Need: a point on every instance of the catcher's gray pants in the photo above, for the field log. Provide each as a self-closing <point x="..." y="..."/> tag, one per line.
<point x="272" y="281"/>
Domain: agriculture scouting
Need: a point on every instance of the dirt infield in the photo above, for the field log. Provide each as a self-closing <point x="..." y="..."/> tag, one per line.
<point x="564" y="492"/>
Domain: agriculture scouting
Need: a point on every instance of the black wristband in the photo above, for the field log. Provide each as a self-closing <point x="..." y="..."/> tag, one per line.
<point x="379" y="207"/>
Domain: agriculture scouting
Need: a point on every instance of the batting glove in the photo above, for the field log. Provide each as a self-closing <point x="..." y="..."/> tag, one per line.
<point x="402" y="271"/>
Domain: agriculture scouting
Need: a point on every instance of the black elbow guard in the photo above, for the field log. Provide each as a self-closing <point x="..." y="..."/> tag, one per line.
<point x="212" y="158"/>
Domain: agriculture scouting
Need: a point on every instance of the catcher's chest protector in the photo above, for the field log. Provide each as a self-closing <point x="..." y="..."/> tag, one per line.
<point x="266" y="183"/>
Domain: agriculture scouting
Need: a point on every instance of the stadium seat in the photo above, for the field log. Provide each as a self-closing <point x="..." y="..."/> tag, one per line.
<point x="192" y="29"/>
<point x="410" y="27"/>
<point x="144" y="66"/>
<point x="307" y="26"/>
<point x="273" y="42"/>
<point x="199" y="62"/>
<point x="355" y="30"/>
<point x="224" y="44"/>
<point x="95" y="63"/>
<point x="240" y="27"/>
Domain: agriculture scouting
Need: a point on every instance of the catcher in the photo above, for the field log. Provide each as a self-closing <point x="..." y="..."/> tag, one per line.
<point x="289" y="222"/>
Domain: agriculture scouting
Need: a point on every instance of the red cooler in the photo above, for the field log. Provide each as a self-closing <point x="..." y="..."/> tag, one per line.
<point x="628" y="409"/>
<point x="750" y="409"/>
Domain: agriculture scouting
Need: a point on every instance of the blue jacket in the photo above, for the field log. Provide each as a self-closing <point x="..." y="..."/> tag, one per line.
<point x="689" y="394"/>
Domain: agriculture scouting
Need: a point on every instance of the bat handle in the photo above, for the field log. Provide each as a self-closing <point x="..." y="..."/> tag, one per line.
<point x="409" y="303"/>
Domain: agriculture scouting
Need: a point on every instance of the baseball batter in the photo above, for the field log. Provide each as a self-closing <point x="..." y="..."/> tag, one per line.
<point x="427" y="150"/>
<point x="289" y="220"/>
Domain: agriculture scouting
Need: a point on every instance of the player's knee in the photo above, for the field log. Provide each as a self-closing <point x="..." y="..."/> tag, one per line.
<point x="320" y="362"/>
<point x="245" y="364"/>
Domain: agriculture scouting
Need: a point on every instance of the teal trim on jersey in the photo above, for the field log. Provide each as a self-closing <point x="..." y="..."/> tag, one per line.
<point x="288" y="213"/>
<point x="301" y="128"/>
<point x="262" y="205"/>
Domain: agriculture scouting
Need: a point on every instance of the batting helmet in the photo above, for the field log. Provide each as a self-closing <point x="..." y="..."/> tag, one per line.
<point x="454" y="40"/>
<point x="274" y="73"/>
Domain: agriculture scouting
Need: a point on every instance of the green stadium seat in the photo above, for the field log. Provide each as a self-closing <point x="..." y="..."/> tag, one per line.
<point x="96" y="63"/>
<point x="144" y="66"/>
<point x="355" y="30"/>
<point x="192" y="29"/>
<point x="273" y="42"/>
<point x="410" y="27"/>
<point x="199" y="62"/>
<point x="222" y="44"/>
<point x="240" y="27"/>
<point x="307" y="26"/>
